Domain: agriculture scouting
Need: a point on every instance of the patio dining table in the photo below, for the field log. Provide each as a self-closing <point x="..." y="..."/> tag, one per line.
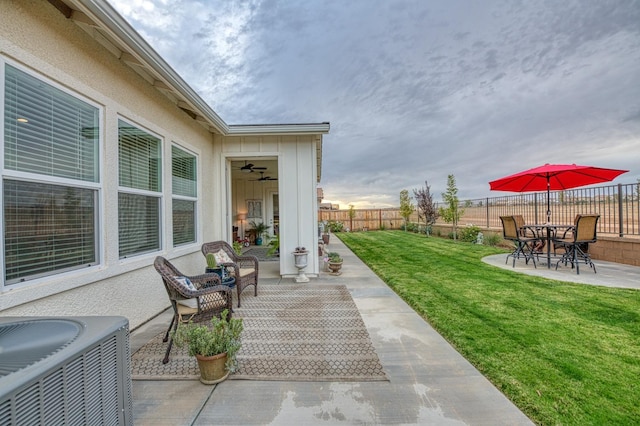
<point x="545" y="231"/>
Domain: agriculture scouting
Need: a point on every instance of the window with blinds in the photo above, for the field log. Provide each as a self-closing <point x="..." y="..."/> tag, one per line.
<point x="47" y="228"/>
<point x="50" y="178"/>
<point x="48" y="131"/>
<point x="184" y="189"/>
<point x="140" y="190"/>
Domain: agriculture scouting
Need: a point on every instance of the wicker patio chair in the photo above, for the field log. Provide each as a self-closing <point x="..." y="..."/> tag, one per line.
<point x="243" y="268"/>
<point x="510" y="231"/>
<point x="576" y="246"/>
<point x="196" y="298"/>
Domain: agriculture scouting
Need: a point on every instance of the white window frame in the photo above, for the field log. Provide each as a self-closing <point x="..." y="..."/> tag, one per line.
<point x="195" y="199"/>
<point x="97" y="187"/>
<point x="159" y="195"/>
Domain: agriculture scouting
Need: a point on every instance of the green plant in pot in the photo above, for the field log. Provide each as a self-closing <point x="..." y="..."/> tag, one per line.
<point x="215" y="346"/>
<point x="212" y="265"/>
<point x="274" y="246"/>
<point x="334" y="262"/>
<point x="259" y="229"/>
<point x="237" y="247"/>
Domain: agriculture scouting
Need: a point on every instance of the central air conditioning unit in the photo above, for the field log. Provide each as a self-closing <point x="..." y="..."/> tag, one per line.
<point x="65" y="371"/>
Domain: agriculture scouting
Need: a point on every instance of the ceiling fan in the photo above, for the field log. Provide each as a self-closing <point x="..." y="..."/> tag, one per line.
<point x="250" y="168"/>
<point x="263" y="178"/>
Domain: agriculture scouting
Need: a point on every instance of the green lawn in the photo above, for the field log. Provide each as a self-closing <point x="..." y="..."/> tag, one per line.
<point x="563" y="353"/>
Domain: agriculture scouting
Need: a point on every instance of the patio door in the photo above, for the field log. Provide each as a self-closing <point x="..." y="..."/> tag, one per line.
<point x="272" y="214"/>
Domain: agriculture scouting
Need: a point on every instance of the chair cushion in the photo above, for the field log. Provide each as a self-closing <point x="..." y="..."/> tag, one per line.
<point x="222" y="257"/>
<point x="186" y="282"/>
<point x="246" y="271"/>
<point x="187" y="306"/>
<point x="190" y="306"/>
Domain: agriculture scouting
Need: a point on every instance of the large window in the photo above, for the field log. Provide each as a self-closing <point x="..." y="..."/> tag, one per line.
<point x="50" y="179"/>
<point x="184" y="190"/>
<point x="139" y="220"/>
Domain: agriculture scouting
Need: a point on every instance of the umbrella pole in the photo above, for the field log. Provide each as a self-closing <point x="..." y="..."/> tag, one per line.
<point x="548" y="203"/>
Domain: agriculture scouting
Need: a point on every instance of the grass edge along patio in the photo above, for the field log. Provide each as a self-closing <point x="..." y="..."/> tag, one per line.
<point x="563" y="353"/>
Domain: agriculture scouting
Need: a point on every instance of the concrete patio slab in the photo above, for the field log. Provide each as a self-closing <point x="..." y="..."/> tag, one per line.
<point x="429" y="382"/>
<point x="608" y="274"/>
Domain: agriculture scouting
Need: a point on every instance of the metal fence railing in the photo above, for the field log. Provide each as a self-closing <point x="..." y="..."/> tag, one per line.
<point x="618" y="207"/>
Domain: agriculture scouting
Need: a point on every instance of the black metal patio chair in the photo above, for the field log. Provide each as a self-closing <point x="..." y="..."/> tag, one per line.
<point x="576" y="244"/>
<point x="523" y="244"/>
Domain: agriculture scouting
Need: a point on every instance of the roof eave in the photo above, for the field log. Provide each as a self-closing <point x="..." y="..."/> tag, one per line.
<point x="104" y="23"/>
<point x="98" y="15"/>
<point x="278" y="129"/>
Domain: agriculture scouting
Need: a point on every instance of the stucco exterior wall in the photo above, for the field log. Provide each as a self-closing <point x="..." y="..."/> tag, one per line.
<point x="33" y="34"/>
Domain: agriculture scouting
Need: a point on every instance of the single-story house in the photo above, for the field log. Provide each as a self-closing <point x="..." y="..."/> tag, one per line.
<point x="109" y="159"/>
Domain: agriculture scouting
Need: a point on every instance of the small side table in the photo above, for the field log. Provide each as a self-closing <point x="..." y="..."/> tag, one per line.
<point x="229" y="282"/>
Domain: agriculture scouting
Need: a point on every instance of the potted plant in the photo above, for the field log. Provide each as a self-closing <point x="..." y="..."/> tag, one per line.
<point x="274" y="246"/>
<point x="300" y="261"/>
<point x="259" y="229"/>
<point x="334" y="262"/>
<point x="212" y="266"/>
<point x="325" y="238"/>
<point x="214" y="346"/>
<point x="237" y="247"/>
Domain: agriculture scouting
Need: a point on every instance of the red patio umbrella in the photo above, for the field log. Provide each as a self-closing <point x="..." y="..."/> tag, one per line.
<point x="554" y="177"/>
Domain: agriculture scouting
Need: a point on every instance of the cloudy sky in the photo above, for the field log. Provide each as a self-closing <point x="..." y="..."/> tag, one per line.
<point x="417" y="90"/>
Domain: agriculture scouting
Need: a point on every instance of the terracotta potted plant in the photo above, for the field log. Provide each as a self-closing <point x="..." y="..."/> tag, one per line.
<point x="334" y="262"/>
<point x="215" y="346"/>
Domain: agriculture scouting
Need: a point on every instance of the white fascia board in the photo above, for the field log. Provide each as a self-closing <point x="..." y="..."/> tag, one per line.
<point x="279" y="129"/>
<point x="110" y="21"/>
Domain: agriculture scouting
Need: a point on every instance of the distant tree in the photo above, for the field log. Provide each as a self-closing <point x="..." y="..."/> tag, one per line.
<point x="426" y="206"/>
<point x="453" y="212"/>
<point x="406" y="206"/>
<point x="352" y="215"/>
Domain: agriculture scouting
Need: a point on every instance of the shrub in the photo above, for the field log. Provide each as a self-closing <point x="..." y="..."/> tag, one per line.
<point x="469" y="233"/>
<point x="335" y="226"/>
<point x="412" y="227"/>
<point x="492" y="239"/>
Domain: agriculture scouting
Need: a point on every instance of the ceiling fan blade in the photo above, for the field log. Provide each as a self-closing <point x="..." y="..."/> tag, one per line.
<point x="263" y="178"/>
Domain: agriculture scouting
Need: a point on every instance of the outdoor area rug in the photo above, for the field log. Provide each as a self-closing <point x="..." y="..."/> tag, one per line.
<point x="261" y="254"/>
<point x="291" y="332"/>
